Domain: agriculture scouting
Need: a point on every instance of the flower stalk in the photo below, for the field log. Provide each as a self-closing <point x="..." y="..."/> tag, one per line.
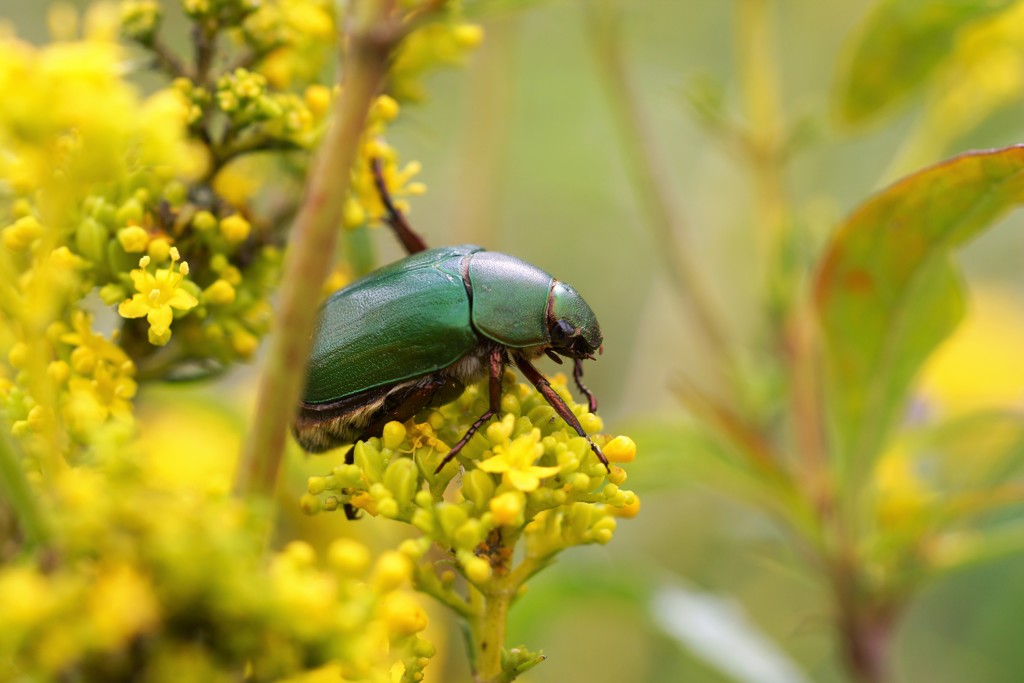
<point x="372" y="39"/>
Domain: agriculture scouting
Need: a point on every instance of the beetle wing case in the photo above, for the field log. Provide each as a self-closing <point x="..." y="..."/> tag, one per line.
<point x="403" y="321"/>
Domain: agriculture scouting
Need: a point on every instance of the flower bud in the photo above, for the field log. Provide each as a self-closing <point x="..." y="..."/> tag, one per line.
<point x="507" y="508"/>
<point x="348" y="556"/>
<point x="620" y="449"/>
<point x="394" y="434"/>
<point x="477" y="569"/>
<point x="477" y="487"/>
<point x="451" y="517"/>
<point x="235" y="228"/>
<point x="402" y="478"/>
<point x="392" y="569"/>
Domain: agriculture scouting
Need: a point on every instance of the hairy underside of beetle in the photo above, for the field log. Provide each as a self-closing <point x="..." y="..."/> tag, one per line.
<point x="319" y="427"/>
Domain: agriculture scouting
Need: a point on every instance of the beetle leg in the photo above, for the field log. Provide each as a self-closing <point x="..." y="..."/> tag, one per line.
<point x="497" y="367"/>
<point x="406" y="235"/>
<point x="577" y="374"/>
<point x="555" y="401"/>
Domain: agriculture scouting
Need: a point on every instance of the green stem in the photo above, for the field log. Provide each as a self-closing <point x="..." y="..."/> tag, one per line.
<point x="651" y="183"/>
<point x="762" y="97"/>
<point x="490" y="634"/>
<point x="23" y="500"/>
<point x="374" y="35"/>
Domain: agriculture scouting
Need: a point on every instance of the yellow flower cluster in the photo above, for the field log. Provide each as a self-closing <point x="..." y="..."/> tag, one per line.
<point x="527" y="477"/>
<point x="154" y="585"/>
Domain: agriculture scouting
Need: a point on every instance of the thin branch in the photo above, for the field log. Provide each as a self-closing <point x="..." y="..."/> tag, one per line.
<point x="15" y="486"/>
<point x="651" y="184"/>
<point x="166" y="60"/>
<point x="315" y="233"/>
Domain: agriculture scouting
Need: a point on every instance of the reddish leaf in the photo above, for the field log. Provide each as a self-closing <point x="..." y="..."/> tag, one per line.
<point x="887" y="293"/>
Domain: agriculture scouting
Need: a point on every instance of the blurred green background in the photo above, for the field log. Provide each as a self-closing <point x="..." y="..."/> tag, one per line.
<point x="521" y="154"/>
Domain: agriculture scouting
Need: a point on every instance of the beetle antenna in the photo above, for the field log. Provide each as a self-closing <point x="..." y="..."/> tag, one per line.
<point x="409" y="238"/>
<point x="577" y="374"/>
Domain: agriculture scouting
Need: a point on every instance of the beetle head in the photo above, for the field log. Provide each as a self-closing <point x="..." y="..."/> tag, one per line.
<point x="572" y="326"/>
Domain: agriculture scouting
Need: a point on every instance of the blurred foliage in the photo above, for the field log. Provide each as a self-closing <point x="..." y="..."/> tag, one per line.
<point x="828" y="410"/>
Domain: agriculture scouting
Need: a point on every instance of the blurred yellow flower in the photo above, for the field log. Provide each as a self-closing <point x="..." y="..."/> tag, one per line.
<point x="979" y="366"/>
<point x="110" y="392"/>
<point x="90" y="347"/>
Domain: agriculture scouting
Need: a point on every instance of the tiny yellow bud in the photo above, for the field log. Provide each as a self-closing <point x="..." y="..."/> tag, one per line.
<point x="499" y="432"/>
<point x="244" y="343"/>
<point x="477" y="569"/>
<point x="159" y="249"/>
<point x="468" y="35"/>
<point x="630" y="510"/>
<point x="507" y="508"/>
<point x="620" y="449"/>
<point x="348" y="556"/>
<point x="21" y="233"/>
<point x="133" y="239"/>
<point x="59" y="371"/>
<point x="38" y="419"/>
<point x="300" y="553"/>
<point x="220" y="293"/>
<point x="392" y="569"/>
<point x="591" y="423"/>
<point x="353" y="214"/>
<point x="204" y="220"/>
<point x="403" y="615"/>
<point x="478" y="487"/>
<point x="318" y="99"/>
<point x="18" y="355"/>
<point x="234" y="228"/>
<point x="394" y="434"/>
<point x="580" y="481"/>
<point x="316" y="485"/>
<point x="310" y="504"/>
<point x="385" y="108"/>
<point x="388" y="508"/>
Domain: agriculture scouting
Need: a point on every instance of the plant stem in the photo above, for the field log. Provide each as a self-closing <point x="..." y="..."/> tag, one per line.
<point x="374" y="35"/>
<point x="758" y="67"/>
<point x="490" y="635"/>
<point x="19" y="493"/>
<point x="657" y="197"/>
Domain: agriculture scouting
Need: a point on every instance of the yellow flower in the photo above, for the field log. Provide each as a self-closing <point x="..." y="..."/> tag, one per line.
<point x="90" y="347"/>
<point x="977" y="367"/>
<point x="516" y="462"/>
<point x="107" y="393"/>
<point x="157" y="295"/>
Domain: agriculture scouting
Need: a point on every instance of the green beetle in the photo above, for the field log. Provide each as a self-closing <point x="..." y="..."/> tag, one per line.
<point x="414" y="333"/>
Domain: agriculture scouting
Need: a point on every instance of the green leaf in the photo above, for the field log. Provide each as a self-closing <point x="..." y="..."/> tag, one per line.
<point x="899" y="46"/>
<point x="887" y="293"/>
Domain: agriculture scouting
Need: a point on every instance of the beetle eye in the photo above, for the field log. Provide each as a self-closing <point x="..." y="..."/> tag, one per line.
<point x="561" y="332"/>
